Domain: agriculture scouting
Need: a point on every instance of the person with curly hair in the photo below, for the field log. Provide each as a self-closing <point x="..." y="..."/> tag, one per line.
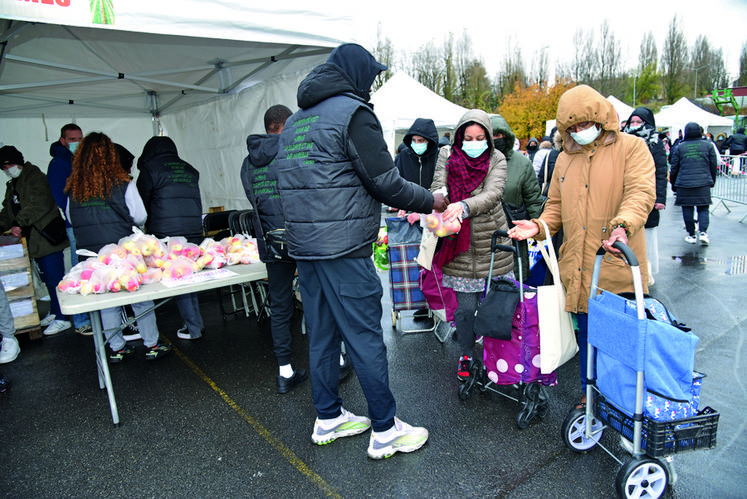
<point x="103" y="207"/>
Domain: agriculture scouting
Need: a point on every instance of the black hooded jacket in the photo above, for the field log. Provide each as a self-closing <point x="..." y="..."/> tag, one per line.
<point x="260" y="185"/>
<point x="170" y="190"/>
<point x="736" y="144"/>
<point x="648" y="133"/>
<point x="333" y="166"/>
<point x="419" y="168"/>
<point x="694" y="162"/>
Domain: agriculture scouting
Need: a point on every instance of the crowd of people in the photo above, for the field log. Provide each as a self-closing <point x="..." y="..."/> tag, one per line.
<point x="592" y="180"/>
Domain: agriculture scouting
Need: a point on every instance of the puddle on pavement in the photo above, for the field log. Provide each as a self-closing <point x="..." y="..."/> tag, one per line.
<point x="731" y="264"/>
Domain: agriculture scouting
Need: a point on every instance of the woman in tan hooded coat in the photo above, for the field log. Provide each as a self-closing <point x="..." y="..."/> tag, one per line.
<point x="482" y="172"/>
<point x="601" y="191"/>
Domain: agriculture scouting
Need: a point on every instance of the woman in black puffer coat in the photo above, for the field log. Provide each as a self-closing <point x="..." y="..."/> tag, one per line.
<point x="692" y="175"/>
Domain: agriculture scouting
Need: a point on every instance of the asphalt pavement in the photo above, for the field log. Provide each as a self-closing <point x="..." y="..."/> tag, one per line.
<point x="206" y="421"/>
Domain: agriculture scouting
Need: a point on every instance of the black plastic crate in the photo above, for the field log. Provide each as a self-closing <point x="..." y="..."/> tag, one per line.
<point x="663" y="438"/>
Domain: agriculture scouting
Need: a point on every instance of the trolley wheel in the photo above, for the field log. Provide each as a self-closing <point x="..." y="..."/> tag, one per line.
<point x="642" y="477"/>
<point x="531" y="391"/>
<point x="543" y="408"/>
<point x="526" y="415"/>
<point x="394" y="319"/>
<point x="466" y="389"/>
<point x="574" y="427"/>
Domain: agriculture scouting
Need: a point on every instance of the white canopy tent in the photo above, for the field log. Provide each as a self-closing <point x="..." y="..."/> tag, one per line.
<point x="201" y="71"/>
<point x="682" y="112"/>
<point x="623" y="110"/>
<point x="402" y="100"/>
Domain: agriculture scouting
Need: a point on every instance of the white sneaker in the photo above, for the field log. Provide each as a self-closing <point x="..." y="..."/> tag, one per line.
<point x="57" y="327"/>
<point x="46" y="321"/>
<point x="704" y="239"/>
<point x="405" y="438"/>
<point x="691" y="239"/>
<point x="9" y="349"/>
<point x="345" y="425"/>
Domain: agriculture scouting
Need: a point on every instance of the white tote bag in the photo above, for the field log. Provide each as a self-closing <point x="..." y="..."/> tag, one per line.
<point x="557" y="338"/>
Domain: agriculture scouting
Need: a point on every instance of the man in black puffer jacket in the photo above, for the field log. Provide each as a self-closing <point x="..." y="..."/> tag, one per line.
<point x="170" y="190"/>
<point x="333" y="173"/>
<point x="693" y="173"/>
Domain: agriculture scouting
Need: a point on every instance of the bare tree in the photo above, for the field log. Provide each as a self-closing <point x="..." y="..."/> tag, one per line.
<point x="428" y="67"/>
<point x="449" y="85"/>
<point x="462" y="61"/>
<point x="742" y="78"/>
<point x="609" y="62"/>
<point x="584" y="63"/>
<point x="512" y="71"/>
<point x="541" y="68"/>
<point x="673" y="61"/>
<point x="384" y="53"/>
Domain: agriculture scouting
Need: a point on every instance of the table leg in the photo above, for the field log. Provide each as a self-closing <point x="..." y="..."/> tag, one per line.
<point x="102" y="364"/>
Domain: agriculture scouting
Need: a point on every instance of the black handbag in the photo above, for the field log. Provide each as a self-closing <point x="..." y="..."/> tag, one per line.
<point x="276" y="245"/>
<point x="515" y="212"/>
<point x="54" y="232"/>
<point x="495" y="313"/>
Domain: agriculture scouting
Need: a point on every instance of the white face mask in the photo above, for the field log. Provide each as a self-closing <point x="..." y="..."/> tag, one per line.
<point x="587" y="136"/>
<point x="13" y="171"/>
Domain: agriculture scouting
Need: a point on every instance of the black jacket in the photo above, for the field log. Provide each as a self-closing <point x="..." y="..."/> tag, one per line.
<point x="260" y="185"/>
<point x="736" y="144"/>
<point x="649" y="134"/>
<point x="333" y="166"/>
<point x="419" y="168"/>
<point x="170" y="190"/>
<point x="694" y="162"/>
<point x="98" y="222"/>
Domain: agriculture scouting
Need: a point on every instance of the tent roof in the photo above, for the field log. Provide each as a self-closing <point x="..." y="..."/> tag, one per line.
<point x="402" y="99"/>
<point x="683" y="111"/>
<point x="157" y="57"/>
<point x="623" y="110"/>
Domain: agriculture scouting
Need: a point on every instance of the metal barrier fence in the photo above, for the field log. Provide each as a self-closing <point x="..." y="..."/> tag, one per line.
<point x="731" y="183"/>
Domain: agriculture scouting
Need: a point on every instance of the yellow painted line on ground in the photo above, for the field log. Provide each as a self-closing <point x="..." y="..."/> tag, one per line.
<point x="288" y="454"/>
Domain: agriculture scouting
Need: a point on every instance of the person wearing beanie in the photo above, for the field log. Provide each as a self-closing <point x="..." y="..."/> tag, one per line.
<point x="29" y="210"/>
<point x="333" y="172"/>
<point x="692" y="174"/>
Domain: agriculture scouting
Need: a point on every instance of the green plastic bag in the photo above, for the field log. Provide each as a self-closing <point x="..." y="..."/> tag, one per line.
<point x="381" y="257"/>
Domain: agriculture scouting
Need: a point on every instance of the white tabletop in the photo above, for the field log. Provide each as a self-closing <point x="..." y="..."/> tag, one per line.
<point x="77" y="304"/>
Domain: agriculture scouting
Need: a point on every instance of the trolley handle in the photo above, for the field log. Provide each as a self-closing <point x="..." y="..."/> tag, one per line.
<point x="630" y="257"/>
<point x="494" y="246"/>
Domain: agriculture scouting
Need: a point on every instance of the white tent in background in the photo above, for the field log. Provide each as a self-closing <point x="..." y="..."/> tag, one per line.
<point x="623" y="110"/>
<point x="682" y="112"/>
<point x="401" y="100"/>
<point x="201" y="71"/>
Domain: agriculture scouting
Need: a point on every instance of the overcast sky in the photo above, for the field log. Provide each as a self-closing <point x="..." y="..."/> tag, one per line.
<point x="536" y="24"/>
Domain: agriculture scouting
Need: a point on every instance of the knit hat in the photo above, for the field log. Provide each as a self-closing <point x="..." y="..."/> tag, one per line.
<point x="9" y="155"/>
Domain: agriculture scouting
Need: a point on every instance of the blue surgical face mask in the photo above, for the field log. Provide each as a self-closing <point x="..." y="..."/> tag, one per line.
<point x="473" y="148"/>
<point x="587" y="136"/>
<point x="419" y="148"/>
<point x="73" y="146"/>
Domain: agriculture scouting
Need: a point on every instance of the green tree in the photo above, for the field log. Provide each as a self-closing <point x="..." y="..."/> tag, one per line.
<point x="645" y="84"/>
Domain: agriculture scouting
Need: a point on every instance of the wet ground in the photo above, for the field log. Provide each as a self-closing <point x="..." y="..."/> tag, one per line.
<point x="206" y="420"/>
